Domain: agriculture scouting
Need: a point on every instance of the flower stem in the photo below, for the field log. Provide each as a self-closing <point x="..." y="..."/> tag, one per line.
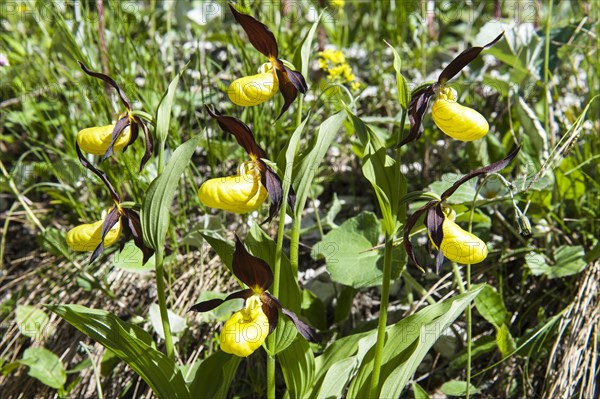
<point x="162" y="303"/>
<point x="275" y="290"/>
<point x="385" y="298"/>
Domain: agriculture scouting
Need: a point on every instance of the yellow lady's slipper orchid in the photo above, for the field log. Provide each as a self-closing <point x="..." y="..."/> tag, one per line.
<point x="459" y="245"/>
<point x="255" y="89"/>
<point x="241" y="193"/>
<point x="246" y="330"/>
<point x="86" y="237"/>
<point x="96" y="140"/>
<point x="457" y="121"/>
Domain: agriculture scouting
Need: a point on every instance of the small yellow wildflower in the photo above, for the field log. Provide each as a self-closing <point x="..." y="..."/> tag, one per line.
<point x="338" y="70"/>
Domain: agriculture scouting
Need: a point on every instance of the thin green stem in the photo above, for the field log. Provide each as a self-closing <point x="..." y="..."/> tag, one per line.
<point x="385" y="298"/>
<point x="546" y="71"/>
<point x="275" y="290"/>
<point x="161" y="153"/>
<point x="162" y="303"/>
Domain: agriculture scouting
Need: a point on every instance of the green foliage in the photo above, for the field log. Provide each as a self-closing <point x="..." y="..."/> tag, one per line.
<point x="44" y="366"/>
<point x="131" y="344"/>
<point x="155" y="213"/>
<point x="350" y="255"/>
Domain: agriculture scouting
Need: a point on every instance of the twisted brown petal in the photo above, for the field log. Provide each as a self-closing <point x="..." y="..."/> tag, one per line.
<point x="101" y="175"/>
<point x="109" y="221"/>
<point x="258" y="33"/>
<point x="206" y="306"/>
<point x="108" y="80"/>
<point x="462" y="60"/>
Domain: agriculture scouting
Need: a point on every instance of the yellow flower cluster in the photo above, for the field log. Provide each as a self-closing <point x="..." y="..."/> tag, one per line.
<point x="334" y="63"/>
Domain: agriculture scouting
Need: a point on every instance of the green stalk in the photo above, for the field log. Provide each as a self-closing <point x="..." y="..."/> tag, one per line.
<point x="160" y="278"/>
<point x="162" y="303"/>
<point x="385" y="294"/>
<point x="546" y="71"/>
<point x="276" y="277"/>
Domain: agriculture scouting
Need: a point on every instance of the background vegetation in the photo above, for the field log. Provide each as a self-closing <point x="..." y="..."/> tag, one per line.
<point x="535" y="326"/>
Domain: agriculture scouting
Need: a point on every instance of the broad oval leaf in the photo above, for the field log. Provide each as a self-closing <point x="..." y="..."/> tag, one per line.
<point x="45" y="366"/>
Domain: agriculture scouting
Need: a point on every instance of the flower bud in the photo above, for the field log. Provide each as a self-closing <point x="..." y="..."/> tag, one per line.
<point x="246" y="330"/>
<point x="255" y="89"/>
<point x="241" y="193"/>
<point x="95" y="140"/>
<point x="459" y="245"/>
<point x="457" y="121"/>
<point x="86" y="237"/>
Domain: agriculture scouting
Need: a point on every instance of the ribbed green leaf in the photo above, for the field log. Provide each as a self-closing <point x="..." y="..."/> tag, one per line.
<point x="298" y="367"/>
<point x="163" y="114"/>
<point x="156" y="209"/>
<point x="403" y="90"/>
<point x="408" y="341"/>
<point x="309" y="162"/>
<point x="214" y="375"/>
<point x="130" y="343"/>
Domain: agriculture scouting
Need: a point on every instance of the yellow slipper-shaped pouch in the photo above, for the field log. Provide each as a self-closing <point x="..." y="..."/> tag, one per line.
<point x="457" y="121"/>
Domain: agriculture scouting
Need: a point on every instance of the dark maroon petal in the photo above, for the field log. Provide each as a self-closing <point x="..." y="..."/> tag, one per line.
<point x="416" y="109"/>
<point x="309" y="333"/>
<point x="271" y="308"/>
<point x="272" y="182"/>
<point x="117" y="131"/>
<point x="252" y="271"/>
<point x="98" y="173"/>
<point x="135" y="132"/>
<point x="240" y="130"/>
<point x="206" y="306"/>
<point x="109" y="221"/>
<point x="408" y="226"/>
<point x="134" y="227"/>
<point x="462" y="60"/>
<point x="287" y="89"/>
<point x="149" y="143"/>
<point x="258" y="33"/>
<point x="296" y="79"/>
<point x="492" y="168"/>
<point x="108" y="80"/>
<point x="433" y="222"/>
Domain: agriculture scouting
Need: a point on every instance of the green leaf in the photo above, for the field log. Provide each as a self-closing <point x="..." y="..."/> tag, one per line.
<point x="130" y="259"/>
<point x="505" y="341"/>
<point x="302" y="53"/>
<point x="298" y="367"/>
<point x="383" y="174"/>
<point x="419" y="392"/>
<point x="403" y="90"/>
<point x="163" y="114"/>
<point x="33" y="322"/>
<point x="307" y="163"/>
<point x="156" y="209"/>
<point x="348" y="251"/>
<point x="45" y="366"/>
<point x="490" y="305"/>
<point x="339" y="363"/>
<point x="130" y="343"/>
<point x="408" y="341"/>
<point x="457" y="388"/>
<point x="569" y="260"/>
<point x="214" y="375"/>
